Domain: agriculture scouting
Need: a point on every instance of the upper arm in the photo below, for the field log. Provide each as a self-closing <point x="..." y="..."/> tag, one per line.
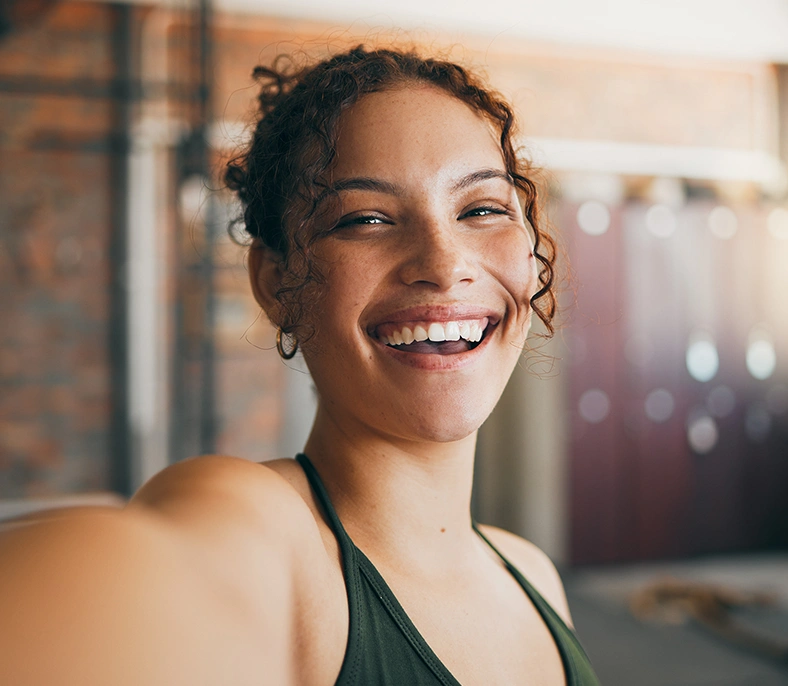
<point x="536" y="566"/>
<point x="100" y="597"/>
<point x="193" y="583"/>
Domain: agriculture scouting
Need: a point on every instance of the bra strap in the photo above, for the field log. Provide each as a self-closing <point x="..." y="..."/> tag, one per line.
<point x="345" y="544"/>
<point x="350" y="569"/>
<point x="562" y="634"/>
<point x="479" y="533"/>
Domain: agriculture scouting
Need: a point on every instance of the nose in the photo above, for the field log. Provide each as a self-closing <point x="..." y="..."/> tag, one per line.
<point x="437" y="254"/>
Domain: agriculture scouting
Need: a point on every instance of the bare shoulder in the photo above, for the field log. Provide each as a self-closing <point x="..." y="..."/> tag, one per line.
<point x="535" y="565"/>
<point x="251" y="523"/>
<point x="218" y="486"/>
<point x="239" y="516"/>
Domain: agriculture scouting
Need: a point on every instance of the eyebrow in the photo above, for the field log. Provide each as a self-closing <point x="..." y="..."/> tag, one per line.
<point x="481" y="175"/>
<point x="367" y="183"/>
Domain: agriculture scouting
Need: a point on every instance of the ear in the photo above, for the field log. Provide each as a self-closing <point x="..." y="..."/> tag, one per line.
<point x="265" y="275"/>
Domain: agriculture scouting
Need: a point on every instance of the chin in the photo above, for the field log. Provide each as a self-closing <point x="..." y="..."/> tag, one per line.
<point x="448" y="423"/>
<point x="447" y="434"/>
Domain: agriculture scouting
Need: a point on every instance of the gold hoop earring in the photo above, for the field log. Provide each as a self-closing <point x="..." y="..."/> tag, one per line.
<point x="285" y="354"/>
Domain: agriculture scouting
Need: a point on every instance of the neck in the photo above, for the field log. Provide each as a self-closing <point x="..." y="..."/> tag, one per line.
<point x="399" y="500"/>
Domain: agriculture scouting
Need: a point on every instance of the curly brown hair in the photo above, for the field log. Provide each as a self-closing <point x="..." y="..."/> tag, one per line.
<point x="280" y="178"/>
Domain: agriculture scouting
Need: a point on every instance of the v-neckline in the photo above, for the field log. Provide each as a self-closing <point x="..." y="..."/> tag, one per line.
<point x="420" y="644"/>
<point x="354" y="560"/>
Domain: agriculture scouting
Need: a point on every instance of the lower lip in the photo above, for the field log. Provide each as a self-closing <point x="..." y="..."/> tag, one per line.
<point x="436" y="361"/>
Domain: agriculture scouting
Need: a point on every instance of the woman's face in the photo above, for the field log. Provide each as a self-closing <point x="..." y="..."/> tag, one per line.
<point x="430" y="242"/>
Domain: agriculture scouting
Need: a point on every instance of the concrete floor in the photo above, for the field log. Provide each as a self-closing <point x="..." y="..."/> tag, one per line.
<point x="629" y="652"/>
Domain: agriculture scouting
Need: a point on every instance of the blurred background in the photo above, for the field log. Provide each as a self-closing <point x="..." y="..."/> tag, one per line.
<point x="648" y="438"/>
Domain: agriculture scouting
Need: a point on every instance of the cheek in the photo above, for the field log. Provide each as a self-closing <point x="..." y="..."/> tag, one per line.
<point x="352" y="272"/>
<point x="339" y="301"/>
<point x="517" y="269"/>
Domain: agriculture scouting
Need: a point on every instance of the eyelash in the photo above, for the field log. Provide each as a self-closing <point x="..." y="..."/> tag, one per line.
<point x="372" y="220"/>
<point x="486" y="210"/>
<point x="361" y="220"/>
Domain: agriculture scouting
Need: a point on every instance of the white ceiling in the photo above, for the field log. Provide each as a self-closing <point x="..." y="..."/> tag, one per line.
<point x="751" y="30"/>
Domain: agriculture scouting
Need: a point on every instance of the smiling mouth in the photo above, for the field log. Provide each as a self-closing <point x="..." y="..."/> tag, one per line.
<point x="435" y="338"/>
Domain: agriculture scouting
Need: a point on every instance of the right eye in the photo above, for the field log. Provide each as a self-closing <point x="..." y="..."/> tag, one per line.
<point x="365" y="220"/>
<point x="360" y="220"/>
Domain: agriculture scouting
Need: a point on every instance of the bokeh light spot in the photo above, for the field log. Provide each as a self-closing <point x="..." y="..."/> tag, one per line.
<point x="761" y="358"/>
<point x="659" y="405"/>
<point x="721" y="401"/>
<point x="594" y="405"/>
<point x="593" y="217"/>
<point x="723" y="222"/>
<point x="702" y="434"/>
<point x="702" y="358"/>
<point x="661" y="221"/>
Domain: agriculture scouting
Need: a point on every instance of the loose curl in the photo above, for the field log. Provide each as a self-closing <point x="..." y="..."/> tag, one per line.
<point x="280" y="178"/>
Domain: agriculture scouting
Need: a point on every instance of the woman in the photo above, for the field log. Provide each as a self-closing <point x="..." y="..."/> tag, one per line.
<point x="395" y="241"/>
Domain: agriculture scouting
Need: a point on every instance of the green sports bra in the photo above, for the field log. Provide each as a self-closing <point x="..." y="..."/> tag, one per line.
<point x="384" y="647"/>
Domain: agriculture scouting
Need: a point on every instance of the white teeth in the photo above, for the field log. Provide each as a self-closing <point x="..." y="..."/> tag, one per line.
<point x="471" y="331"/>
<point x="436" y="332"/>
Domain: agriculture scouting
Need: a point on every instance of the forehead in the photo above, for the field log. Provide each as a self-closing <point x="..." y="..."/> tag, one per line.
<point x="414" y="129"/>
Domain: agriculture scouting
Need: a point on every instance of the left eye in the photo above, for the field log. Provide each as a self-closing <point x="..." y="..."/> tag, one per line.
<point x="483" y="212"/>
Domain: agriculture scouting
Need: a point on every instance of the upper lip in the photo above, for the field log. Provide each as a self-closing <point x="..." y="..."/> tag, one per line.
<point x="454" y="312"/>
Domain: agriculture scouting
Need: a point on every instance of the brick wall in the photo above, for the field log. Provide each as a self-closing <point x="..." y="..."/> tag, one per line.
<point x="54" y="215"/>
<point x="56" y="202"/>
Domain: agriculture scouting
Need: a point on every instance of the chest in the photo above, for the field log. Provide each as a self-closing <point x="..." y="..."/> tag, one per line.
<point x="482" y="629"/>
<point x="476" y="630"/>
